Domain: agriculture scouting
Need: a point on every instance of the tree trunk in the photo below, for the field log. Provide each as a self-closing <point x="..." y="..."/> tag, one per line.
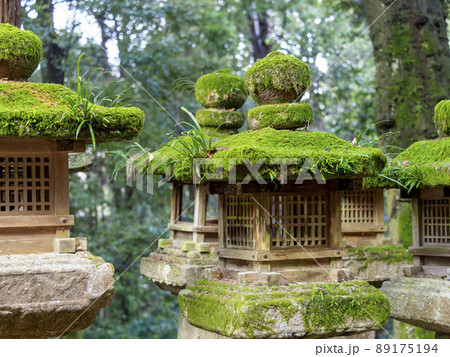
<point x="52" y="67"/>
<point x="412" y="60"/>
<point x="10" y="12"/>
<point x="105" y="38"/>
<point x="259" y="34"/>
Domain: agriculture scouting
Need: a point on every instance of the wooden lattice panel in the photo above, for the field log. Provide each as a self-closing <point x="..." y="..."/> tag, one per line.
<point x="298" y="220"/>
<point x="358" y="206"/>
<point x="436" y="222"/>
<point x="240" y="220"/>
<point x="26" y="184"/>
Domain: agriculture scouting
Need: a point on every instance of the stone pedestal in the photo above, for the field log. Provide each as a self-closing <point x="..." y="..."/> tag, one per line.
<point x="48" y="295"/>
<point x="313" y="310"/>
<point x="420" y="302"/>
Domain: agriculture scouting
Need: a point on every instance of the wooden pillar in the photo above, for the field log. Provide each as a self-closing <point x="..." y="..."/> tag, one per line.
<point x="416" y="228"/>
<point x="177" y="201"/>
<point x="199" y="212"/>
<point x="262" y="220"/>
<point x="334" y="233"/>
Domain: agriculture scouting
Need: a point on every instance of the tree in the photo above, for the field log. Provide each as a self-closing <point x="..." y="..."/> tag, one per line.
<point x="412" y="60"/>
<point x="10" y="12"/>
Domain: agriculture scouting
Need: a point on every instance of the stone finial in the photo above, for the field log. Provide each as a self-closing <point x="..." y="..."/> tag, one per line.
<point x="277" y="82"/>
<point x="277" y="78"/>
<point x="442" y="118"/>
<point x="220" y="93"/>
<point x="20" y="53"/>
<point x="221" y="90"/>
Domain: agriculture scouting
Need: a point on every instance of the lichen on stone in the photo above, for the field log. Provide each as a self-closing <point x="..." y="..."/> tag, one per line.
<point x="296" y="310"/>
<point x="20" y="52"/>
<point x="220" y="90"/>
<point x="225" y="119"/>
<point x="38" y="110"/>
<point x="277" y="78"/>
<point x="281" y="116"/>
<point x="442" y="118"/>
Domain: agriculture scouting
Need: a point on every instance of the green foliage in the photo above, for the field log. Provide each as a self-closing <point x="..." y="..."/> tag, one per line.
<point x="442" y="118"/>
<point x="220" y="90"/>
<point x="226" y="308"/>
<point x="334" y="157"/>
<point x="20" y="52"/>
<point x="281" y="116"/>
<point x="277" y="78"/>
<point x="226" y="119"/>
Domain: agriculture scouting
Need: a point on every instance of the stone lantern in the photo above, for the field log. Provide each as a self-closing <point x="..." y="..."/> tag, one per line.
<point x="49" y="283"/>
<point x="279" y="220"/>
<point x="430" y="161"/>
<point x="192" y="246"/>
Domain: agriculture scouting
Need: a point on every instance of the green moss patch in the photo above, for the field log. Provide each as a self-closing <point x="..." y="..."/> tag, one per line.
<point x="36" y="110"/>
<point x="20" y="52"/>
<point x="221" y="89"/>
<point x="334" y="157"/>
<point x="227" y="119"/>
<point x="280" y="116"/>
<point x="388" y="254"/>
<point x="442" y="118"/>
<point x="297" y="310"/>
<point x="423" y="164"/>
<point x="218" y="133"/>
<point x="277" y="78"/>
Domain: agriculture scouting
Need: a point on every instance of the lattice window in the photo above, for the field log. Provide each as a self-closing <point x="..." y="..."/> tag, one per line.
<point x="240" y="212"/>
<point x="26" y="184"/>
<point x="358" y="206"/>
<point x="436" y="222"/>
<point x="303" y="220"/>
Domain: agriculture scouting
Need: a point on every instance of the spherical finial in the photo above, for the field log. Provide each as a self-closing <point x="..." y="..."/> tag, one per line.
<point x="20" y="53"/>
<point x="442" y="118"/>
<point x="277" y="78"/>
<point x="221" y="90"/>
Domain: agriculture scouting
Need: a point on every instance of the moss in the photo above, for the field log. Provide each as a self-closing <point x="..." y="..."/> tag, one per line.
<point x="424" y="164"/>
<point x="218" y="133"/>
<point x="36" y="110"/>
<point x="281" y="116"/>
<point x="243" y="311"/>
<point x="226" y="119"/>
<point x="334" y="157"/>
<point x="221" y="89"/>
<point x="442" y="118"/>
<point x="388" y="254"/>
<point x="20" y="52"/>
<point x="277" y="78"/>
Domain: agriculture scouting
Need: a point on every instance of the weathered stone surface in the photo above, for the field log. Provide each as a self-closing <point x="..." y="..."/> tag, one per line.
<point x="80" y="161"/>
<point x="314" y="310"/>
<point x="421" y="302"/>
<point x="46" y="295"/>
<point x="173" y="270"/>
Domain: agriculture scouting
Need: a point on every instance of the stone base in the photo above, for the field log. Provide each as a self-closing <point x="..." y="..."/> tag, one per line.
<point x="172" y="269"/>
<point x="313" y="310"/>
<point x="48" y="295"/>
<point x="420" y="302"/>
<point x="376" y="264"/>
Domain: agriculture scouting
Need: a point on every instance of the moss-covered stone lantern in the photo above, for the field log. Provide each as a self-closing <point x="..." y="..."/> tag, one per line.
<point x="424" y="171"/>
<point x="43" y="292"/>
<point x="279" y="220"/>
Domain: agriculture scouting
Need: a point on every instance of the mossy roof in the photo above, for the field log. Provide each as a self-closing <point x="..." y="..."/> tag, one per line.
<point x="37" y="110"/>
<point x="423" y="164"/>
<point x="334" y="157"/>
